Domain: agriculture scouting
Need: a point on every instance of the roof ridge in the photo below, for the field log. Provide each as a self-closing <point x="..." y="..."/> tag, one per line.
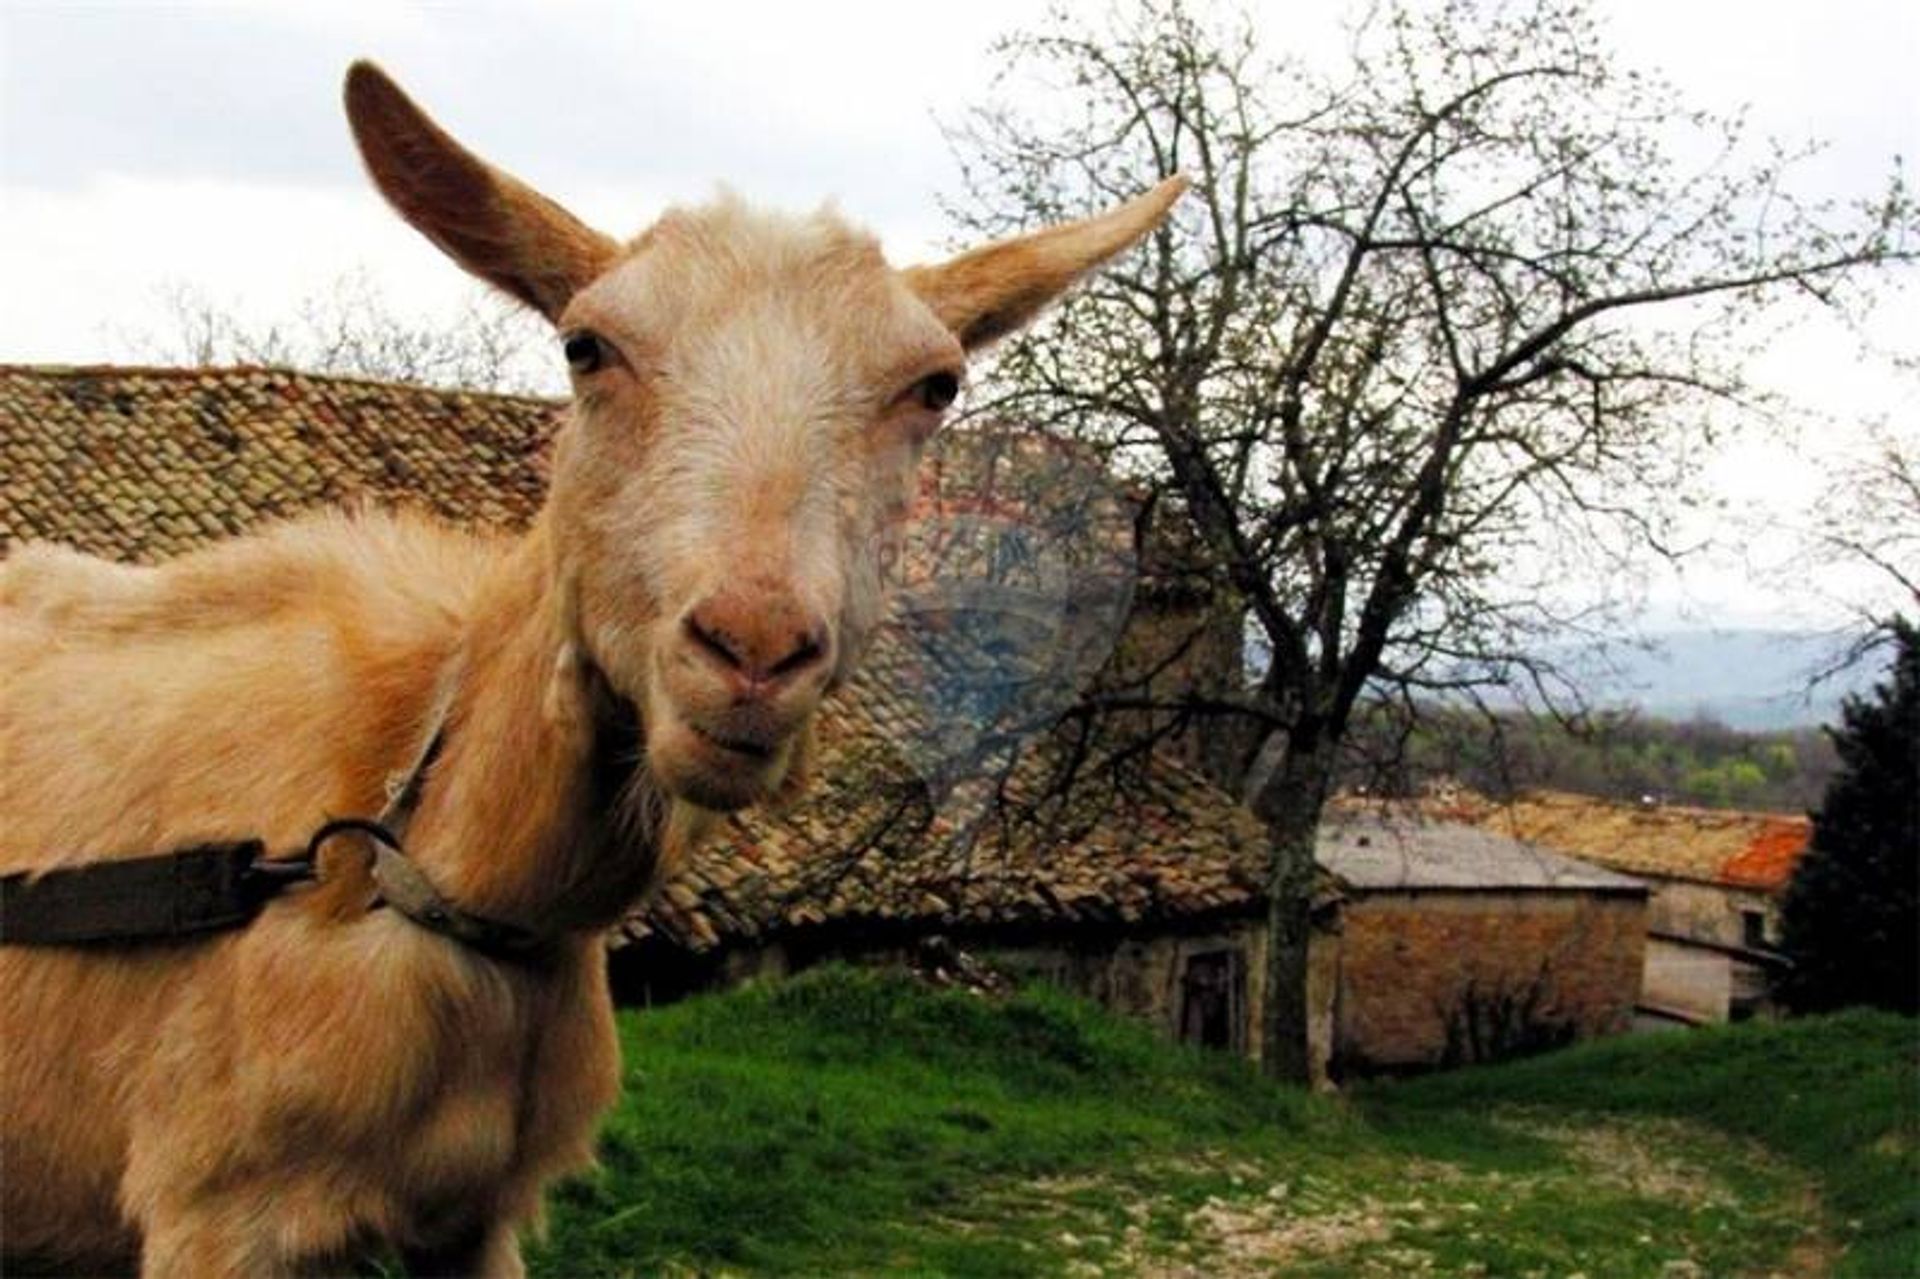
<point x="1549" y="794"/>
<point x="212" y="372"/>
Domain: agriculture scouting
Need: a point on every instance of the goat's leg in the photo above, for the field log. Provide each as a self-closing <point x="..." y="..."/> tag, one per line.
<point x="487" y="1252"/>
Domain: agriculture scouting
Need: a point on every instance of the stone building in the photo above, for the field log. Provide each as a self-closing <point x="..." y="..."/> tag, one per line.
<point x="949" y="802"/>
<point x="1717" y="878"/>
<point x="1435" y="944"/>
<point x="1451" y="944"/>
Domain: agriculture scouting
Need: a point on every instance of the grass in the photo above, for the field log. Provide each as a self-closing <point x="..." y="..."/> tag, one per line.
<point x="849" y="1120"/>
<point x="853" y="1122"/>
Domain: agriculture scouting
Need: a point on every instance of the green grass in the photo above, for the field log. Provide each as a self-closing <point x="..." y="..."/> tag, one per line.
<point x="854" y="1122"/>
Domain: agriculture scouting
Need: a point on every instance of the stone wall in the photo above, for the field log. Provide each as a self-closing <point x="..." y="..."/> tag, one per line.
<point x="1701" y="960"/>
<point x="1713" y="913"/>
<point x="1692" y="983"/>
<point x="1200" y="983"/>
<point x="1436" y="978"/>
<point x="1166" y="979"/>
<point x="1182" y="640"/>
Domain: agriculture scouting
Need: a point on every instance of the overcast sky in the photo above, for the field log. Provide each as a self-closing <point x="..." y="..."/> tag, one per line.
<point x="149" y="144"/>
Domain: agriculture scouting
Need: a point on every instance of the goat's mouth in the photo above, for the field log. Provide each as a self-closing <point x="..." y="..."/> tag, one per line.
<point x="718" y="766"/>
<point x="748" y="748"/>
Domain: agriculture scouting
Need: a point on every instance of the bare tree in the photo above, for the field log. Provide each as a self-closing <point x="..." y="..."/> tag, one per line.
<point x="1869" y="516"/>
<point x="1428" y="358"/>
<point x="1857" y="551"/>
<point x="353" y="329"/>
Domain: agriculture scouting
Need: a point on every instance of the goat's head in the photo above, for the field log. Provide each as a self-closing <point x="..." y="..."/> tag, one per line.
<point x="750" y="396"/>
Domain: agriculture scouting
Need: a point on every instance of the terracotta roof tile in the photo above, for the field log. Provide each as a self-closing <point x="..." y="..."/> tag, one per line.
<point x="1769" y="859"/>
<point x="1708" y="845"/>
<point x="141" y="464"/>
<point x="1394" y="850"/>
<point x="867" y="842"/>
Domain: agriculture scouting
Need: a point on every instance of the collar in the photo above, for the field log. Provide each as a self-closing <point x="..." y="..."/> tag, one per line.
<point x="403" y="885"/>
<point x="400" y="883"/>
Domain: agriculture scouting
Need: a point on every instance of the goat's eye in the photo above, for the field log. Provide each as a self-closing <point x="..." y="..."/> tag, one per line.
<point x="937" y="390"/>
<point x="585" y="352"/>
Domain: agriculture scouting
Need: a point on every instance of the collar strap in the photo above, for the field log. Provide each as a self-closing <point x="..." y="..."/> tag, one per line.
<point x="186" y="893"/>
<point x="221" y="886"/>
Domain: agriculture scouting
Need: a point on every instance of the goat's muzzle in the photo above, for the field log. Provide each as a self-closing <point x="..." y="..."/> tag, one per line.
<point x="741" y="674"/>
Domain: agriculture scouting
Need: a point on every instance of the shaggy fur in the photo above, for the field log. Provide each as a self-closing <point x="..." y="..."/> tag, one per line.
<point x="334" y="1077"/>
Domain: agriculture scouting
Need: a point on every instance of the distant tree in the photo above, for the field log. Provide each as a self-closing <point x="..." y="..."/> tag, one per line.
<point x="1851" y="921"/>
<point x="1612" y="755"/>
<point x="353" y="329"/>
<point x="1437" y="339"/>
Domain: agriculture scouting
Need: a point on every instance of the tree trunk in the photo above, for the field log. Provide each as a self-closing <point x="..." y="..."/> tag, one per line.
<point x="1289" y="801"/>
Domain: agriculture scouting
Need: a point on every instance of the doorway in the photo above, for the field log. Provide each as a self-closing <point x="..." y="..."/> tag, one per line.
<point x="1213" y="997"/>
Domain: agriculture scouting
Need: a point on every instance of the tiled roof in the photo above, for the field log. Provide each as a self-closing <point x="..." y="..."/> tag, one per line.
<point x="140" y="464"/>
<point x="1708" y="845"/>
<point x="1406" y="851"/>
<point x="1771" y="855"/>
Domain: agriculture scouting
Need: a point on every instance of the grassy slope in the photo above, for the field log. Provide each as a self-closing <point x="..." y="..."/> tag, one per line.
<point x="853" y="1122"/>
<point x="1839" y="1096"/>
<point x="848" y="1120"/>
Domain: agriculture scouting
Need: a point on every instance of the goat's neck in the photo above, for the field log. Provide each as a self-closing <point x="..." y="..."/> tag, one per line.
<point x="539" y="811"/>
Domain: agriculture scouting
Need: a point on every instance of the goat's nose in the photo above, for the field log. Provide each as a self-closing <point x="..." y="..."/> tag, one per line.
<point x="761" y="641"/>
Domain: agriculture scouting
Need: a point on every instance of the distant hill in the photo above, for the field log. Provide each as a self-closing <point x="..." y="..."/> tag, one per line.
<point x="1750" y="679"/>
<point x="1747" y="679"/>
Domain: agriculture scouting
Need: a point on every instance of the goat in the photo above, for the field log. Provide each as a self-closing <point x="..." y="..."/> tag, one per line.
<point x="750" y="393"/>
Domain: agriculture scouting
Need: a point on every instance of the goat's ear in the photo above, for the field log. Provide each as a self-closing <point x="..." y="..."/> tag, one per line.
<point x="989" y="292"/>
<point x="489" y="222"/>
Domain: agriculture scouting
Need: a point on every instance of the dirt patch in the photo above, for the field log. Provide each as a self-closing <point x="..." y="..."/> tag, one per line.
<point x="1251" y="1237"/>
<point x="1263" y="1220"/>
<point x="1641" y="1157"/>
<point x="1258" y="1229"/>
<point x="1817" y="1253"/>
